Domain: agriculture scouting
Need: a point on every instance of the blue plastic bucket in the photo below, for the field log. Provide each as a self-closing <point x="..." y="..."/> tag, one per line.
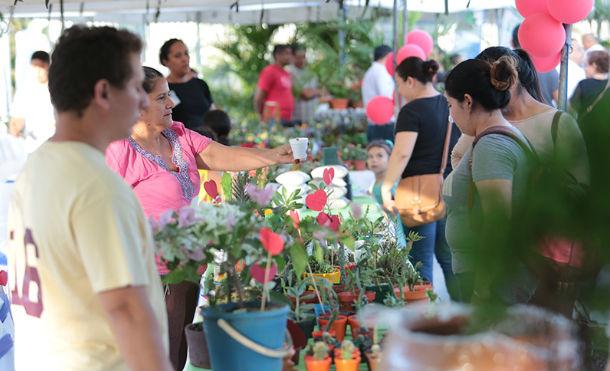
<point x="267" y="329"/>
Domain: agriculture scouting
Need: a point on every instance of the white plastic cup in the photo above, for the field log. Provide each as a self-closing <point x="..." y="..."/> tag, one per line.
<point x="299" y="148"/>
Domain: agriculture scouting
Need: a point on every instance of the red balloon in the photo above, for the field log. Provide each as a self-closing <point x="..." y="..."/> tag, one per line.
<point x="546" y="64"/>
<point x="542" y="35"/>
<point x="409" y="50"/>
<point x="529" y="7"/>
<point x="422" y="39"/>
<point x="389" y="64"/>
<point x="569" y="11"/>
<point x="380" y="110"/>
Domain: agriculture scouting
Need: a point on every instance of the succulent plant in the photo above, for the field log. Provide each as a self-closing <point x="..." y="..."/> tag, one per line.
<point x="347" y="349"/>
<point x="376" y="351"/>
<point x="320" y="350"/>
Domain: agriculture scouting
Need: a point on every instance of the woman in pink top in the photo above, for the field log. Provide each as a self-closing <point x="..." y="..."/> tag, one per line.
<point x="160" y="161"/>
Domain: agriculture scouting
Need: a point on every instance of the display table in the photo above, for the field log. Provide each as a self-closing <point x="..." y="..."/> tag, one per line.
<point x="369" y="208"/>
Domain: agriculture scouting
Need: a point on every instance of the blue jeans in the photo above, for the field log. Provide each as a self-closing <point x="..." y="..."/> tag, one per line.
<point x="433" y="243"/>
<point x="374" y="132"/>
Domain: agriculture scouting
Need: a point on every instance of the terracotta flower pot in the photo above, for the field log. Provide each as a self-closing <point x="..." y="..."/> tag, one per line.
<point x="381" y="292"/>
<point x="312" y="364"/>
<point x="354" y="325"/>
<point x="346" y="300"/>
<point x="370" y="296"/>
<point x="347" y="364"/>
<point x="317" y="335"/>
<point x="338" y="325"/>
<point x="359" y="165"/>
<point x="339" y="103"/>
<point x="418" y="294"/>
<point x="525" y="339"/>
<point x="372" y="362"/>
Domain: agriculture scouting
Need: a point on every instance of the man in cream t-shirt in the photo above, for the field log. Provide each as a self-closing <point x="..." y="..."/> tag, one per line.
<point x="85" y="292"/>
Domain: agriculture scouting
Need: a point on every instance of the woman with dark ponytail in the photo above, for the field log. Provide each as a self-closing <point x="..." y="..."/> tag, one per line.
<point x="493" y="173"/>
<point x="421" y="128"/>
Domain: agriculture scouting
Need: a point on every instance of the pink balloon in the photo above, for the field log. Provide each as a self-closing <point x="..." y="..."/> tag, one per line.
<point x="380" y="110"/>
<point x="546" y="64"/>
<point x="569" y="11"/>
<point x="422" y="39"/>
<point x="389" y="64"/>
<point x="409" y="50"/>
<point x="542" y="35"/>
<point x="529" y="7"/>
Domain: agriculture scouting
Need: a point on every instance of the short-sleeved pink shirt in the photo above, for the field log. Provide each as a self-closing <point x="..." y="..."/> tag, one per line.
<point x="157" y="187"/>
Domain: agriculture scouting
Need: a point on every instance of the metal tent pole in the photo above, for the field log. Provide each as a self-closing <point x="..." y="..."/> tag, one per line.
<point x="343" y="11"/>
<point x="395" y="47"/>
<point x="405" y="18"/>
<point x="563" y="74"/>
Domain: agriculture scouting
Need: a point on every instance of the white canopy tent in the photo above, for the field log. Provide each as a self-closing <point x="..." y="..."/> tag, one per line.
<point x="231" y="11"/>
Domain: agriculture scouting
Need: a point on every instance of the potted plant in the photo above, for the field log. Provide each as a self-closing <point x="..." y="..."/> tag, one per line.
<point x="347" y="358"/>
<point x="360" y="156"/>
<point x="197" y="345"/>
<point x="334" y="321"/>
<point x="241" y="325"/>
<point x="318" y="360"/>
<point x="410" y="285"/>
<point x="302" y="313"/>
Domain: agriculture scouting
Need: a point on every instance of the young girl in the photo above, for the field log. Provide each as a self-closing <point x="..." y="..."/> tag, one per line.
<point x="378" y="154"/>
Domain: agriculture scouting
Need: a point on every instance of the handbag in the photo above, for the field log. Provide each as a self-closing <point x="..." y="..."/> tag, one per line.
<point x="419" y="198"/>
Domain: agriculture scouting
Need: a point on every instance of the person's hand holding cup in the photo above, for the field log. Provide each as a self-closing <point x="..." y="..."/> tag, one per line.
<point x="299" y="149"/>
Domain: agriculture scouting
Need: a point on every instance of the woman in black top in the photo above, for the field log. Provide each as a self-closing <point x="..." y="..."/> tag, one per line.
<point x="590" y="88"/>
<point x="194" y="93"/>
<point x="420" y="137"/>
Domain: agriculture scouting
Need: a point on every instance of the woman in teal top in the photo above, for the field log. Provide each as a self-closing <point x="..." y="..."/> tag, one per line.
<point x="378" y="154"/>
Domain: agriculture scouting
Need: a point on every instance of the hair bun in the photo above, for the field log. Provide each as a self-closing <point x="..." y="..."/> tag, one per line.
<point x="503" y="73"/>
<point x="430" y="67"/>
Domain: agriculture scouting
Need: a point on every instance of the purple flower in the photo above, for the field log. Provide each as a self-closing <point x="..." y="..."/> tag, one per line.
<point x="166" y="218"/>
<point x="356" y="210"/>
<point x="230" y="221"/>
<point x="261" y="196"/>
<point x="186" y="217"/>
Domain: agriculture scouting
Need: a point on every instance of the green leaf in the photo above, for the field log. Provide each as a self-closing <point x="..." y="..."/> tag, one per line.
<point x="349" y="242"/>
<point x="281" y="262"/>
<point x="299" y="259"/>
<point x="278" y="297"/>
<point x="226" y="184"/>
<point x="318" y="252"/>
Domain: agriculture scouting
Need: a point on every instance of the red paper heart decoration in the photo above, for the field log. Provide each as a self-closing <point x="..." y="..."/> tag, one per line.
<point x="211" y="189"/>
<point x="272" y="242"/>
<point x="258" y="272"/>
<point x="323" y="219"/>
<point x="329" y="221"/>
<point x="329" y="175"/>
<point x="317" y="200"/>
<point x="335" y="223"/>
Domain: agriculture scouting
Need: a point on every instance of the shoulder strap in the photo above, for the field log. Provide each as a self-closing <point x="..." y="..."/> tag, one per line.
<point x="507" y="132"/>
<point x="446" y="146"/>
<point x="555" y="125"/>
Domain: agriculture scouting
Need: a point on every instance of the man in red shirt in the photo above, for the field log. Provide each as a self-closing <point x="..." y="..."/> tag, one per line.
<point x="274" y="89"/>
